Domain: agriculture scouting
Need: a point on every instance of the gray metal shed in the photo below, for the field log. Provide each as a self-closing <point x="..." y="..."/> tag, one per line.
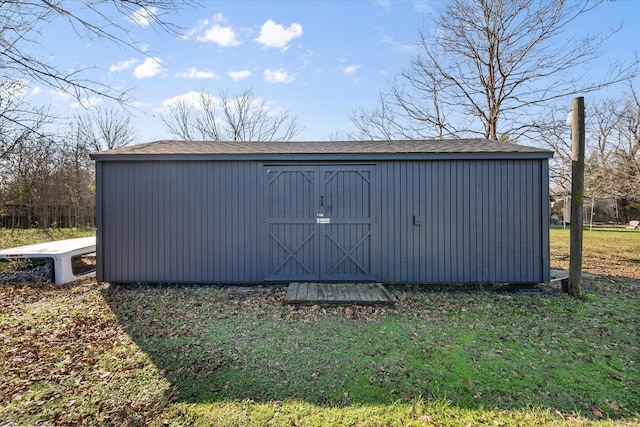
<point x="457" y="211"/>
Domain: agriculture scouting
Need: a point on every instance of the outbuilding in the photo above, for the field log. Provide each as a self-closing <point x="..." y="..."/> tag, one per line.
<point x="430" y="211"/>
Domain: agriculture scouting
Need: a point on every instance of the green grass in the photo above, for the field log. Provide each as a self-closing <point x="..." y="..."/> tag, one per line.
<point x="606" y="252"/>
<point x="101" y="354"/>
<point x="10" y="238"/>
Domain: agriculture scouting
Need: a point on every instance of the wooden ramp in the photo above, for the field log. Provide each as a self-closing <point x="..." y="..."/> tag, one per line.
<point x="305" y="293"/>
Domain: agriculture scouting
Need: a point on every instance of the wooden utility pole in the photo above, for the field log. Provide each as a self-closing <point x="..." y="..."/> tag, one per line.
<point x="577" y="196"/>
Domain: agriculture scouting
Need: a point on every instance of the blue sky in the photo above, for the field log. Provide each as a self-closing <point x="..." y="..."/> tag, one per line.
<point x="318" y="59"/>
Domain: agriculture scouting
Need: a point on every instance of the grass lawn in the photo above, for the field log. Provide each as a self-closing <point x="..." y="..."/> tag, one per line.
<point x="107" y="355"/>
<point x="10" y="238"/>
<point x="606" y="252"/>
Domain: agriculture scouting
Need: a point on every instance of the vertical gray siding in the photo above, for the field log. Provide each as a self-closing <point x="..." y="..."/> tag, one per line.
<point x="483" y="221"/>
<point x="178" y="221"/>
<point x="428" y="221"/>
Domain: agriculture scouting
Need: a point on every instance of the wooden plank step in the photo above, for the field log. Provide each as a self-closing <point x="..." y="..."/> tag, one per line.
<point x="310" y="293"/>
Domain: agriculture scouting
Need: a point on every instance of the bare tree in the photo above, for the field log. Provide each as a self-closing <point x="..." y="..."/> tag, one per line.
<point x="229" y="118"/>
<point x="552" y="131"/>
<point x="612" y="167"/>
<point x="381" y="123"/>
<point x="488" y="63"/>
<point x="23" y="59"/>
<point x="17" y="120"/>
<point x="75" y="178"/>
<point x="617" y="160"/>
<point x="27" y="173"/>
<point x="23" y="21"/>
<point x="104" y="130"/>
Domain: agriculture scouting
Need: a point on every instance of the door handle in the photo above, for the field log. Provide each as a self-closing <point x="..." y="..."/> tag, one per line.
<point x="321" y="200"/>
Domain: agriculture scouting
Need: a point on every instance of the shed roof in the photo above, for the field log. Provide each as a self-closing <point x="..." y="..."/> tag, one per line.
<point x="329" y="150"/>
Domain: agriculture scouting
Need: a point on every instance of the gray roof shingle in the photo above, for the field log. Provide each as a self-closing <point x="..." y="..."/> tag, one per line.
<point x="213" y="149"/>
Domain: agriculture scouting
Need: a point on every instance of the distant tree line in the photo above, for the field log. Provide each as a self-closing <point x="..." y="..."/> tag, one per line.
<point x="612" y="167"/>
<point x="47" y="179"/>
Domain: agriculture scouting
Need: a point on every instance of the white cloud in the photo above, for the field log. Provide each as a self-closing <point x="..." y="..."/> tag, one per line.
<point x="306" y="59"/>
<point x="277" y="76"/>
<point x="189" y="98"/>
<point x="276" y="36"/>
<point x="202" y="24"/>
<point x="58" y="96"/>
<point x="236" y="76"/>
<point x="223" y="36"/>
<point x="390" y="41"/>
<point x="219" y="17"/>
<point x="350" y="69"/>
<point x="122" y="65"/>
<point x="143" y="16"/>
<point x="192" y="99"/>
<point x="140" y="104"/>
<point x="151" y="67"/>
<point x="36" y="90"/>
<point x="194" y="73"/>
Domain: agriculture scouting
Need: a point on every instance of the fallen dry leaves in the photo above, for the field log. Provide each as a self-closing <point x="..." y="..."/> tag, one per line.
<point x="63" y="354"/>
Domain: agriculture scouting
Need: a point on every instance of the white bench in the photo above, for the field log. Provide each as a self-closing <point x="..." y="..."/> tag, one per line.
<point x="633" y="225"/>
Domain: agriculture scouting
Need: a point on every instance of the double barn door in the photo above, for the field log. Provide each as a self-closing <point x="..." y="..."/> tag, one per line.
<point x="319" y="222"/>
